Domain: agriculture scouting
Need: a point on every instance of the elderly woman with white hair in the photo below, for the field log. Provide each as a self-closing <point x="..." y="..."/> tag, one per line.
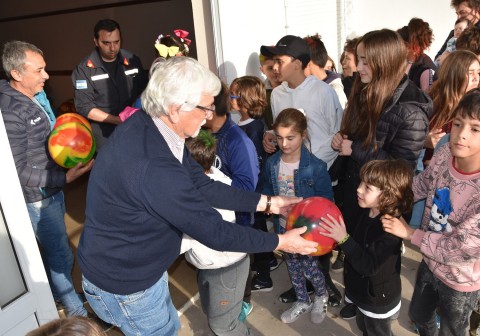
<point x="145" y="191"/>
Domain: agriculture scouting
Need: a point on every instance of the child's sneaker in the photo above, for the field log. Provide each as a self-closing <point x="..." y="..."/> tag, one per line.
<point x="349" y="311"/>
<point x="319" y="310"/>
<point x="334" y="298"/>
<point x="261" y="286"/>
<point x="297" y="310"/>
<point x="290" y="295"/>
<point x="274" y="264"/>
<point x="246" y="310"/>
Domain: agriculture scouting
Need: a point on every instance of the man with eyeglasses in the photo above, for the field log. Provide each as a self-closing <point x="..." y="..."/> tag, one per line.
<point x="465" y="9"/>
<point x="145" y="190"/>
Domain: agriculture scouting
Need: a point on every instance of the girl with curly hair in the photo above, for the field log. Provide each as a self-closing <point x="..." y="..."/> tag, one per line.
<point x="418" y="37"/>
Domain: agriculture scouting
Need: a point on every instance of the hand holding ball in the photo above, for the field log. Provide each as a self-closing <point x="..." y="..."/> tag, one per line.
<point x="308" y="213"/>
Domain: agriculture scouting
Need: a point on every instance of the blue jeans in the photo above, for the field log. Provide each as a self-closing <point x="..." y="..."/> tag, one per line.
<point x="148" y="312"/>
<point x="430" y="295"/>
<point x="48" y="222"/>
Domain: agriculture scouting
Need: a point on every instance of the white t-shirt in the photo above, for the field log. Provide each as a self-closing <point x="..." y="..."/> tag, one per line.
<point x="203" y="257"/>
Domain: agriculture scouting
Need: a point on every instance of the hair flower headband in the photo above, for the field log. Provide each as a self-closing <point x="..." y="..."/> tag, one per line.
<point x="183" y="35"/>
<point x="173" y="45"/>
<point x="165" y="51"/>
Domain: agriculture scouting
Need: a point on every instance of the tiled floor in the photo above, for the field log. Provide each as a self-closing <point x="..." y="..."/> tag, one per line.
<point x="264" y="319"/>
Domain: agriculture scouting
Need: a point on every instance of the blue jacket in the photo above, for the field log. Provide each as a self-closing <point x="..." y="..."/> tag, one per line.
<point x="310" y="179"/>
<point x="237" y="158"/>
<point x="140" y="199"/>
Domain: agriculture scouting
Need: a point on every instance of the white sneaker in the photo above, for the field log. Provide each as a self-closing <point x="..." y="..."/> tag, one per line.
<point x="297" y="310"/>
<point x="319" y="310"/>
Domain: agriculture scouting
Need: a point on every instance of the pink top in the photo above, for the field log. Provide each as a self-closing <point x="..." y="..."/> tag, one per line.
<point x="449" y="237"/>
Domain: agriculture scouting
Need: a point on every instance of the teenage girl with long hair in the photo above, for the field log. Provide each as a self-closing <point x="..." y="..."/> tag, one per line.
<point x="386" y="116"/>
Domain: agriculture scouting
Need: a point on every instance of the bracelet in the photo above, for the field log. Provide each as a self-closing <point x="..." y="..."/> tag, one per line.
<point x="269" y="204"/>
<point x="344" y="239"/>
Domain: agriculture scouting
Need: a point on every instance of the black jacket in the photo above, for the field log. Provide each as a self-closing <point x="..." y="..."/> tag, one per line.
<point x="372" y="266"/>
<point x="28" y="129"/>
<point x="400" y="134"/>
<point x="401" y="129"/>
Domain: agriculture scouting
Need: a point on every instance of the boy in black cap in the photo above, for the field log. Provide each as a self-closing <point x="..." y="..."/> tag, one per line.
<point x="317" y="99"/>
<point x="324" y="113"/>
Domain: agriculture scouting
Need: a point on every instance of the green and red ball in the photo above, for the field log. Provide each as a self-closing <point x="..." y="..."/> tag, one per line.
<point x="71" y="143"/>
<point x="308" y="213"/>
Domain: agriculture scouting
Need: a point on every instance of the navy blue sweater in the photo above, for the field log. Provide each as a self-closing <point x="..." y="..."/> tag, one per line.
<point x="140" y="199"/>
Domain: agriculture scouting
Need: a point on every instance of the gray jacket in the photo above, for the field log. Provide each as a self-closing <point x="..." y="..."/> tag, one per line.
<point x="28" y="129"/>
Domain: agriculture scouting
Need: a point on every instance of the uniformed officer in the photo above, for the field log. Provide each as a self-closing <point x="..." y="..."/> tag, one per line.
<point x="107" y="80"/>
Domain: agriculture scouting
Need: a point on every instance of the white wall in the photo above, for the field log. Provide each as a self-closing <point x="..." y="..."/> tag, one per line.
<point x="242" y="27"/>
<point x="368" y="15"/>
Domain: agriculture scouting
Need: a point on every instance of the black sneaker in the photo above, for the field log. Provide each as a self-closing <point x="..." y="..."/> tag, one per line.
<point x="274" y="264"/>
<point x="334" y="299"/>
<point x="261" y="286"/>
<point x="289" y="296"/>
<point x="337" y="266"/>
<point x="348" y="312"/>
<point x="104" y="325"/>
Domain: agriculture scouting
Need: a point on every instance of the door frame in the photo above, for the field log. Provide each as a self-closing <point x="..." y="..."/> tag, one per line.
<point x="36" y="306"/>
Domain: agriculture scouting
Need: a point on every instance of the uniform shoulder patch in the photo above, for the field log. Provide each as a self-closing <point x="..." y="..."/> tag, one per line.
<point x="81" y="84"/>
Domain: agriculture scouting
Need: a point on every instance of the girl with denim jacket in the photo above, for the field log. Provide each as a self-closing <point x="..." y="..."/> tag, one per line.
<point x="294" y="171"/>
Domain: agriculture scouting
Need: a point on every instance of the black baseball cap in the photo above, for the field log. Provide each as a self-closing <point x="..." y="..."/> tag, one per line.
<point x="289" y="45"/>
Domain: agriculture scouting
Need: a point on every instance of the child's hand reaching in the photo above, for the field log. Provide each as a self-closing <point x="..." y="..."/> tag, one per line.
<point x="397" y="226"/>
<point x="334" y="228"/>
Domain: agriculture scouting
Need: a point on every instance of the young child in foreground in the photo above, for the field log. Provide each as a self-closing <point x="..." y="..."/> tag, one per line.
<point x="449" y="237"/>
<point x="294" y="171"/>
<point x="70" y="326"/>
<point x="373" y="256"/>
<point x="221" y="276"/>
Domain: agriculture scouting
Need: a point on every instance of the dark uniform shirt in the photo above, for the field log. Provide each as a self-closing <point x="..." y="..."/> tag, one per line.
<point x="109" y="88"/>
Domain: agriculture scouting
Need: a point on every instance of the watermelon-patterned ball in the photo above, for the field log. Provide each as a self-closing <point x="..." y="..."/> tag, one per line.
<point x="72" y="117"/>
<point x="308" y="213"/>
<point x="71" y="143"/>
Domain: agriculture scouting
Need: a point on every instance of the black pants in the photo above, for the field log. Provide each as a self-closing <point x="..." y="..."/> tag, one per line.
<point x="262" y="260"/>
<point x="454" y="307"/>
<point x="374" y="327"/>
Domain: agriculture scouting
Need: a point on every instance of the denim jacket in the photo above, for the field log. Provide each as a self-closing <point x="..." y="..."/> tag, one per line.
<point x="310" y="179"/>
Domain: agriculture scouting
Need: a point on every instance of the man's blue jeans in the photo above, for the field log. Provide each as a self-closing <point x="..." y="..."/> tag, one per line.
<point x="148" y="312"/>
<point x="48" y="222"/>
